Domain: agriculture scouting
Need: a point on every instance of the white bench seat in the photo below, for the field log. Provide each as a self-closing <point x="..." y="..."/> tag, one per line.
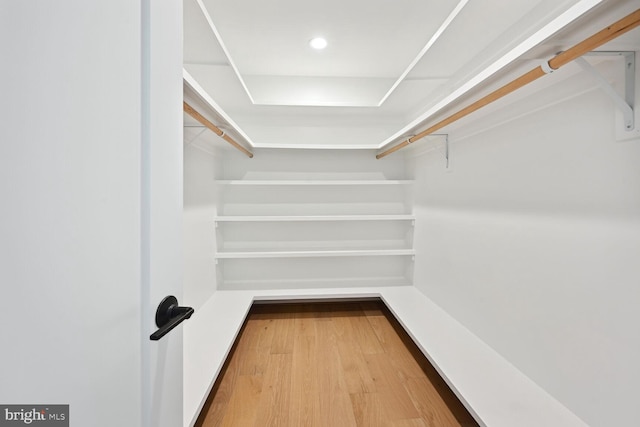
<point x="493" y="390"/>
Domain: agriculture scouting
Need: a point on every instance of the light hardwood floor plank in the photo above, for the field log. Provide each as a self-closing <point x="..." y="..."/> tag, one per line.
<point x="256" y="348"/>
<point x="415" y="422"/>
<point x="304" y="408"/>
<point x="367" y="410"/>
<point x="242" y="408"/>
<point x="275" y="398"/>
<point x="394" y="346"/>
<point x="432" y="406"/>
<point x="282" y="342"/>
<point x="356" y="372"/>
<point x="333" y="395"/>
<point x="394" y="398"/>
<point x="365" y="336"/>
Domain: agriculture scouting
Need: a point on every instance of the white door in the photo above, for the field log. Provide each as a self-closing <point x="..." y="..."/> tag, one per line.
<point x="90" y="205"/>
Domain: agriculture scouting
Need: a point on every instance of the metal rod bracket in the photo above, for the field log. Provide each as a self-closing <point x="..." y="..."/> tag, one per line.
<point x="626" y="103"/>
<point x="446" y="149"/>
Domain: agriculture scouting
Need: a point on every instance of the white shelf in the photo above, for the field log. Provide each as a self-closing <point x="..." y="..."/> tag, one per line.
<point x="318" y="283"/>
<point x="319" y="218"/>
<point x="314" y="182"/>
<point x="314" y="254"/>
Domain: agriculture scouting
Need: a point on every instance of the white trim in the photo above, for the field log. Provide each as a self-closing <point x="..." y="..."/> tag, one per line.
<point x="315" y="182"/>
<point x="424" y="50"/>
<point x="547" y="31"/>
<point x="319" y="146"/>
<point x="224" y="48"/>
<point x="313" y="218"/>
<point x="314" y="254"/>
<point x="397" y="82"/>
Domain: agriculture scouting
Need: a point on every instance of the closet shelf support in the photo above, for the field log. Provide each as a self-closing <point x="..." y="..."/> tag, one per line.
<point x="625" y="104"/>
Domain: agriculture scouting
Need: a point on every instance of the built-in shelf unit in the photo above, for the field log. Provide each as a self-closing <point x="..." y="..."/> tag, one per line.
<point x="313" y="233"/>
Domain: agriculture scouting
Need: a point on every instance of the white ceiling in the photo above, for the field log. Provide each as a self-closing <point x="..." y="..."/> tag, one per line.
<point x="389" y="65"/>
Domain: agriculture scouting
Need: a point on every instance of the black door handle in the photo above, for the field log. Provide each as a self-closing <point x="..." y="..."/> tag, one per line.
<point x="169" y="315"/>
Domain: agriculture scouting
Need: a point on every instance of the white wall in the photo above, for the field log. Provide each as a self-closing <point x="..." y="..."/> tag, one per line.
<point x="311" y="164"/>
<point x="532" y="239"/>
<point x="200" y="171"/>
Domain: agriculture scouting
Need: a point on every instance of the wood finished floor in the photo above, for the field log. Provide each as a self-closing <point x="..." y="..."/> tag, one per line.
<point x="329" y="365"/>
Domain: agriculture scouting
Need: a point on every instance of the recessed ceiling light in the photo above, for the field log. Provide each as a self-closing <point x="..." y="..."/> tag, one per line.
<point x="318" y="43"/>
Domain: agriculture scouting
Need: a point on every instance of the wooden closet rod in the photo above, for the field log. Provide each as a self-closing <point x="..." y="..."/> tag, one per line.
<point x="627" y="23"/>
<point x="193" y="113"/>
